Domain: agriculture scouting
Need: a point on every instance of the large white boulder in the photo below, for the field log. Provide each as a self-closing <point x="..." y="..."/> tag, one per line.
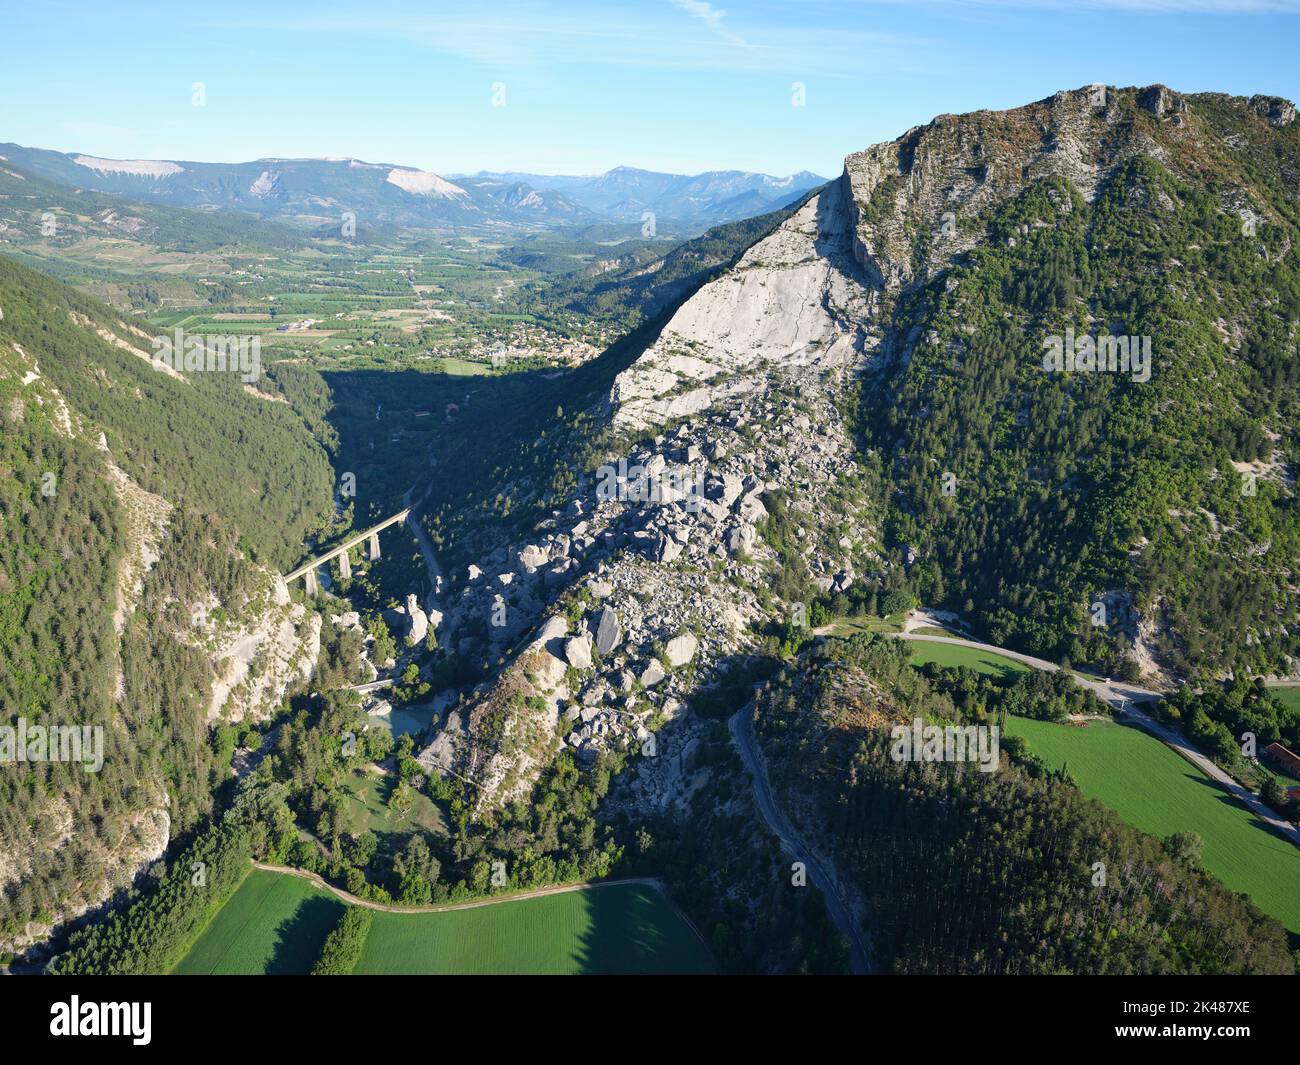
<point x="419" y="621"/>
<point x="577" y="652"/>
<point x="681" y="649"/>
<point x="608" y="632"/>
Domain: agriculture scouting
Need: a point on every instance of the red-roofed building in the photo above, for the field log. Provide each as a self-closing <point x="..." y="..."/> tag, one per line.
<point x="1287" y="759"/>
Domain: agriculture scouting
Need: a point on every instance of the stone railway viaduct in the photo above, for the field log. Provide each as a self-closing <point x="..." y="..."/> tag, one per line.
<point x="308" y="569"/>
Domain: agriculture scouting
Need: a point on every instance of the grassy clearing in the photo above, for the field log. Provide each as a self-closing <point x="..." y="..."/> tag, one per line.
<point x="951" y="654"/>
<point x="1289" y="696"/>
<point x="277" y="923"/>
<point x="369" y="794"/>
<point x="1152" y="787"/>
<point x="866" y="623"/>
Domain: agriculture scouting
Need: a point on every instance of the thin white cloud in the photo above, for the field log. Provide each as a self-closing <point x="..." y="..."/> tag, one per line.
<point x="703" y="11"/>
<point x="711" y="17"/>
<point x="521" y="37"/>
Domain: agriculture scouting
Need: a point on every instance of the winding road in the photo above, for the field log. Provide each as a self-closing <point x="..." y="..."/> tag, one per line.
<point x="741" y="725"/>
<point x="422" y="538"/>
<point x="469" y="904"/>
<point x="1117" y="693"/>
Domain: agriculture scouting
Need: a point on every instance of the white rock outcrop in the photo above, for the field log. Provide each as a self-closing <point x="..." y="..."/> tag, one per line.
<point x="681" y="649"/>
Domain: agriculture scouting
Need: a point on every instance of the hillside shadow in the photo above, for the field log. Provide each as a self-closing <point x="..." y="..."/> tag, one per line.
<point x="633" y="930"/>
<point x="637" y="929"/>
<point x="299" y="938"/>
<point x="394" y="424"/>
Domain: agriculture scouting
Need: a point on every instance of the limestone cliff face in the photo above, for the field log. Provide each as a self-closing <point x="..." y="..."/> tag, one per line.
<point x="256" y="661"/>
<point x="792" y="301"/>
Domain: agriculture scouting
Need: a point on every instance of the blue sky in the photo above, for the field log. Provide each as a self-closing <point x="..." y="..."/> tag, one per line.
<point x="680" y="85"/>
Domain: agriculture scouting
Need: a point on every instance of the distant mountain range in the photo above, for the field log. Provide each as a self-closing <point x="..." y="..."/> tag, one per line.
<point x="624" y="194"/>
<point x="320" y="191"/>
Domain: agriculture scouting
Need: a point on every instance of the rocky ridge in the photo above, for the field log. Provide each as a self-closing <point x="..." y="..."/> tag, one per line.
<point x="739" y="395"/>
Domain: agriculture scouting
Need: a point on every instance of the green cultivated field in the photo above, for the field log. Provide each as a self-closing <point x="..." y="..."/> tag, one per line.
<point x="1286" y="696"/>
<point x="950" y="654"/>
<point x="272" y="924"/>
<point x="627" y="928"/>
<point x="276" y="923"/>
<point x="1152" y="787"/>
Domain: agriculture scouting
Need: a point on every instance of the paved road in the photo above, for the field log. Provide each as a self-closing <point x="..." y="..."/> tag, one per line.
<point x="422" y="538"/>
<point x="742" y="734"/>
<point x="1125" y="697"/>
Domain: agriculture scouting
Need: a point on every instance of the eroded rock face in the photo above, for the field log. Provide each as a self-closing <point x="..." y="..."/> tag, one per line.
<point x="1278" y="111"/>
<point x="1160" y="101"/>
<point x="786" y="301"/>
<point x="257" y="660"/>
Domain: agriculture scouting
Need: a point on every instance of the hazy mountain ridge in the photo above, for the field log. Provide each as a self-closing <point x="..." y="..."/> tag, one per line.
<point x="32" y="207"/>
<point x="319" y="191"/>
<point x="626" y="193"/>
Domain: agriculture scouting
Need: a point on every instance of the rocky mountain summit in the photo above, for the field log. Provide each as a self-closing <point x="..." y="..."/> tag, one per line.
<point x="661" y="566"/>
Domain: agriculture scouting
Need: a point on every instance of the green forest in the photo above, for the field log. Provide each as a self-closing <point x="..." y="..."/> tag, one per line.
<point x="1007" y="872"/>
<point x="245" y="478"/>
<point x="1070" y="491"/>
